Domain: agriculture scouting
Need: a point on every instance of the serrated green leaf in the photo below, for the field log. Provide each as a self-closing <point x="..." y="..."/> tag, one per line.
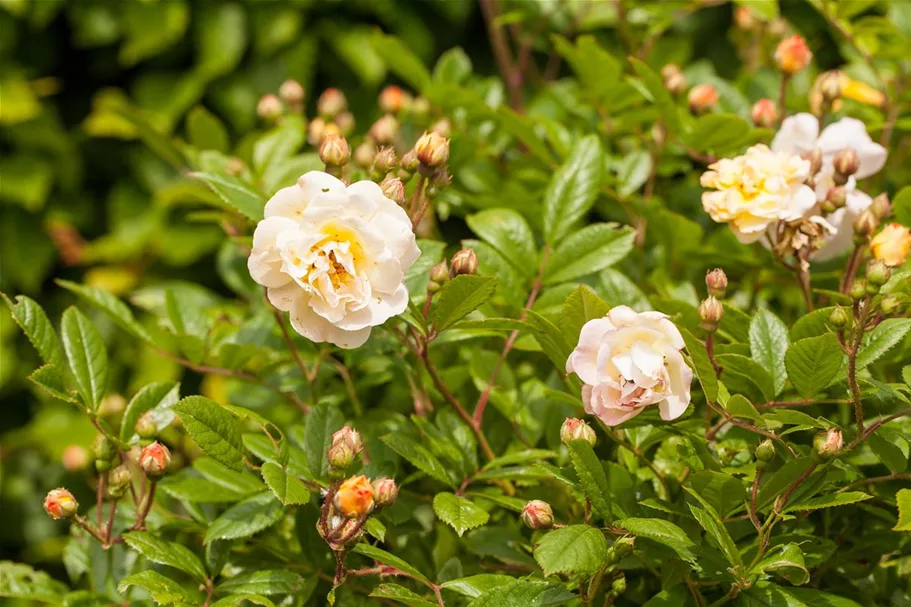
<point x="401" y="60"/>
<point x="581" y="306"/>
<point x="892" y="450"/>
<point x="278" y="144"/>
<point x="703" y="368"/>
<point x="167" y="553"/>
<point x="51" y="380"/>
<point x="591" y="476"/>
<point x="663" y="532"/>
<point x="381" y="556"/>
<point x="194" y="489"/>
<point x="476" y="585"/>
<point x="19" y="581"/>
<point x="507" y="232"/>
<point x="885" y="336"/>
<point x="242" y="482"/>
<point x="576" y="549"/>
<point x="235" y="193"/>
<point x="768" y="345"/>
<point x="718" y="534"/>
<point x="522" y="128"/>
<point x="589" y="250"/>
<point x="162" y="589"/>
<point x="400" y="594"/>
<point x="787" y="561"/>
<point x="903" y="500"/>
<point x="525" y="593"/>
<point x="718" y="133"/>
<point x="119" y="312"/>
<point x="246" y="518"/>
<point x="420" y="457"/>
<point x="265" y="582"/>
<point x="216" y="431"/>
<point x="813" y="362"/>
<point x="206" y="131"/>
<point x="33" y="321"/>
<point x="152" y="396"/>
<point x="459" y="513"/>
<point x="87" y="356"/>
<point x="573" y="189"/>
<point x="746" y="376"/>
<point x="830" y="501"/>
<point x="236" y="600"/>
<point x="658" y="93"/>
<point x="462" y="296"/>
<point x="813" y="324"/>
<point x="287" y="488"/>
<point x="323" y="421"/>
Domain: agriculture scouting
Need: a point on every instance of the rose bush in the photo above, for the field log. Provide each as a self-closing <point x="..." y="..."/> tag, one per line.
<point x="613" y="310"/>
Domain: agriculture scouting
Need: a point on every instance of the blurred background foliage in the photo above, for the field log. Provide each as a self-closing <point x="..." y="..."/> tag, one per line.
<point x="92" y="91"/>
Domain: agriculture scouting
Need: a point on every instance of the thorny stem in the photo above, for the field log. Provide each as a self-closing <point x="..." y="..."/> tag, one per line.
<point x="803" y="277"/>
<point x="876" y="479"/>
<point x="110" y="524"/>
<point x="860" y="317"/>
<point x="535" y="290"/>
<point x="147" y="507"/>
<point x="419" y="198"/>
<point x="80" y="520"/>
<point x="847" y="280"/>
<point x="753" y="493"/>
<point x="502" y="53"/>
<point x="99" y="497"/>
<point x="728" y="418"/>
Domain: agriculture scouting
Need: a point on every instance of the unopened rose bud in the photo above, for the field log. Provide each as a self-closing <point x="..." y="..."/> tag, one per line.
<point x="716" y="282"/>
<point x="345" y="123"/>
<point x="75" y="458"/>
<point x="385" y="160"/>
<point x="702" y="98"/>
<point x="364" y="154"/>
<point x="710" y="311"/>
<point x="865" y="223"/>
<point x="118" y="481"/>
<point x="890" y="304"/>
<point x="538" y="514"/>
<point x="316" y="130"/>
<point x="765" y="452"/>
<point x="439" y="275"/>
<point x="385" y="129"/>
<point x="291" y="93"/>
<point x="385" y="491"/>
<point x="792" y="54"/>
<point x="881" y="207"/>
<point x="743" y="18"/>
<point x="462" y="262"/>
<point x="409" y="161"/>
<point x="442" y="126"/>
<point x="394" y="190"/>
<point x="814" y="157"/>
<point x="103" y="448"/>
<point x="391" y="100"/>
<point x="858" y="289"/>
<point x="845" y="162"/>
<point x="673" y="79"/>
<point x="892" y="245"/>
<point x="154" y="460"/>
<point x="836" y="197"/>
<point x="146" y="427"/>
<point x="838" y="318"/>
<point x="764" y="113"/>
<point x="345" y="446"/>
<point x="618" y="586"/>
<point x="331" y="103"/>
<point x="334" y="151"/>
<point x="830" y="85"/>
<point x="826" y="445"/>
<point x="878" y="273"/>
<point x="420" y="106"/>
<point x="577" y="429"/>
<point x="432" y="149"/>
<point x="623" y="546"/>
<point x="269" y="108"/>
<point x="60" y="504"/>
<point x="355" y="497"/>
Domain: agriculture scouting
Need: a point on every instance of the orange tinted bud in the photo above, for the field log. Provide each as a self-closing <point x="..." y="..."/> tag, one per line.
<point x="764" y="113"/>
<point x="673" y="79"/>
<point x="716" y="282"/>
<point x="392" y="99"/>
<point x="432" y="149"/>
<point x="316" y="130"/>
<point x="269" y="108"/>
<point x="702" y="98"/>
<point x="75" y="458"/>
<point x="355" y="497"/>
<point x="892" y="245"/>
<point x="155" y="459"/>
<point x="334" y="150"/>
<point x="792" y="54"/>
<point x="60" y="504"/>
<point x="577" y="429"/>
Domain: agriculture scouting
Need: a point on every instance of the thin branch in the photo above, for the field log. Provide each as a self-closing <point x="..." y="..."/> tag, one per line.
<point x="502" y="53"/>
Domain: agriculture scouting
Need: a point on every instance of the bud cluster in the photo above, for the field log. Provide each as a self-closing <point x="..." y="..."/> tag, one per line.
<point x="343" y="450"/>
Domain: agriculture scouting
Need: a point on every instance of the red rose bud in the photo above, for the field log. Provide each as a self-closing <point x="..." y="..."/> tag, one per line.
<point x="826" y="445"/>
<point x="394" y="190"/>
<point x="385" y="129"/>
<point x="716" y="281"/>
<point x="269" y="108"/>
<point x="291" y="92"/>
<point x="577" y="429"/>
<point x="432" y="149"/>
<point x="463" y="261"/>
<point x="710" y="311"/>
<point x="792" y="54"/>
<point x="702" y="98"/>
<point x="154" y="459"/>
<point x="355" y="497"/>
<point x="385" y="492"/>
<point x="331" y="103"/>
<point x="764" y="113"/>
<point x="75" y="458"/>
<point x="60" y="504"/>
<point x="392" y="99"/>
<point x="345" y="446"/>
<point x="538" y="514"/>
<point x="673" y="79"/>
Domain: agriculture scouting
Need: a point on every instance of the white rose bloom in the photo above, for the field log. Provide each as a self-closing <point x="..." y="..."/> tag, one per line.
<point x="800" y="134"/>
<point x="628" y="361"/>
<point x="334" y="257"/>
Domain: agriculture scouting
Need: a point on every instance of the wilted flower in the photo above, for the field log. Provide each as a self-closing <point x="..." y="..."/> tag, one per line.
<point x="155" y="459"/>
<point x="334" y="256"/>
<point x="577" y="429"/>
<point x="792" y="54"/>
<point x="702" y="98"/>
<point x="892" y="244"/>
<point x="764" y="113"/>
<point x="385" y="491"/>
<point x="756" y="190"/>
<point x="628" y="361"/>
<point x="463" y="261"/>
<point x="432" y="149"/>
<point x="269" y="108"/>
<point x="538" y="514"/>
<point x="355" y="497"/>
<point x="60" y="504"/>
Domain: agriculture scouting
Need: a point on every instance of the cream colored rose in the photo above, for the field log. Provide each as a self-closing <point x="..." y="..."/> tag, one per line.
<point x="800" y="134"/>
<point x="334" y="257"/>
<point x="892" y="245"/>
<point x="628" y="361"/>
<point x="757" y="189"/>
